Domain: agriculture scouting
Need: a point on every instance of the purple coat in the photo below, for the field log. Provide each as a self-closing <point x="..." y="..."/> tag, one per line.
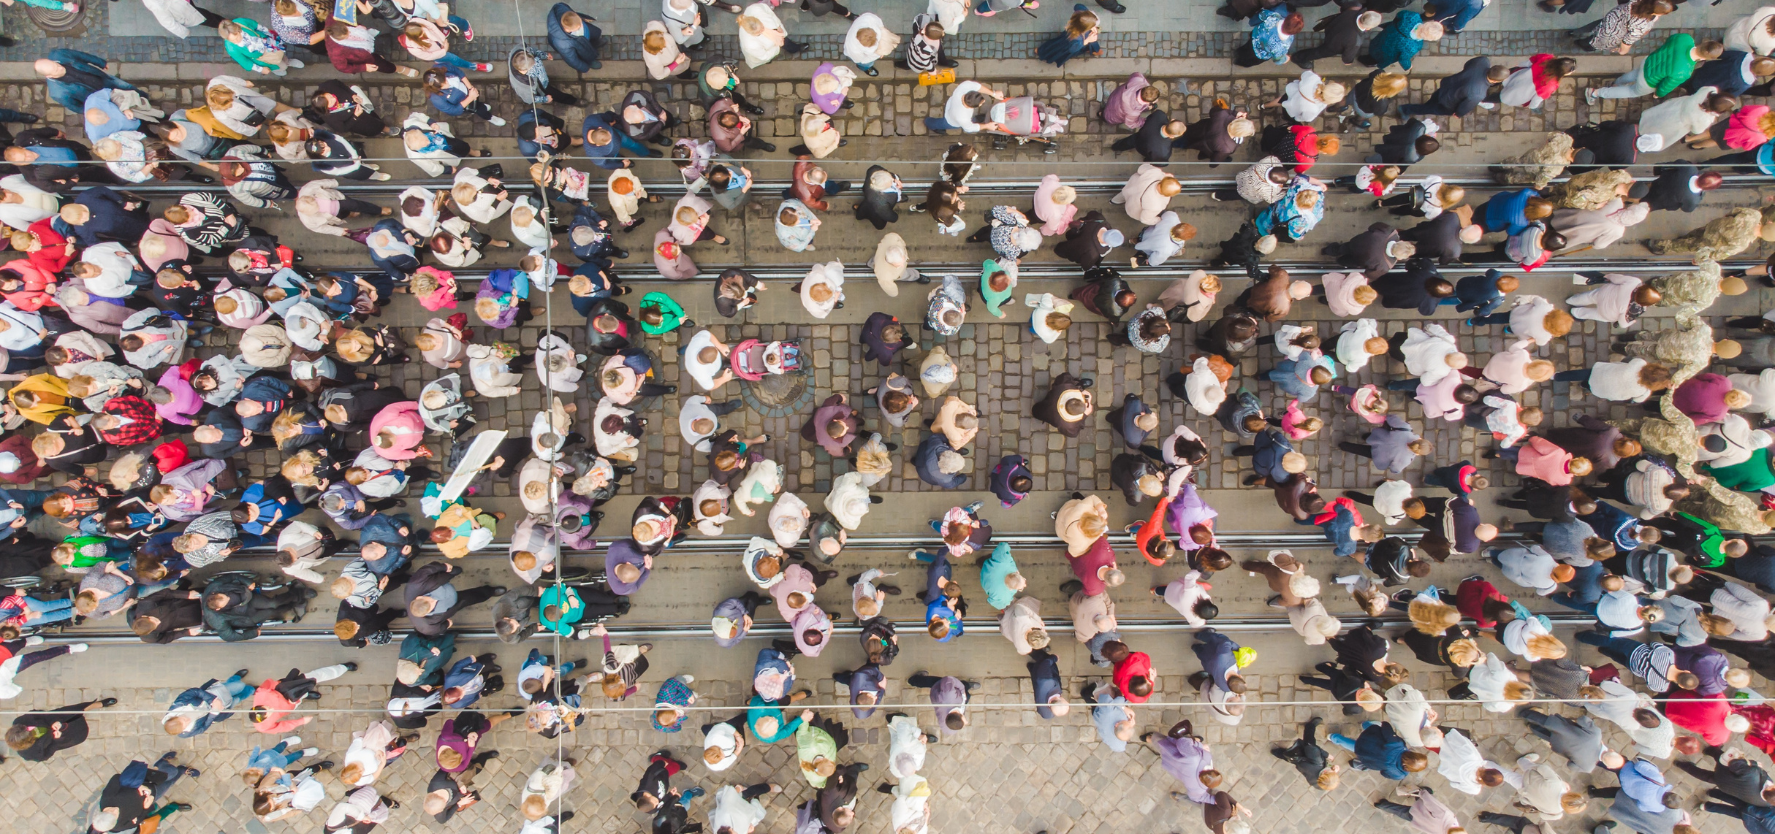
<point x="1188" y="510"/>
<point x="624" y="550"/>
<point x="827" y="102"/>
<point x="1124" y="107"/>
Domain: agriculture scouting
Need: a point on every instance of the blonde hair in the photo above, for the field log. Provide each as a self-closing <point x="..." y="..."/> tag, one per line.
<point x="1545" y="647"/>
<point x="1433" y="618"/>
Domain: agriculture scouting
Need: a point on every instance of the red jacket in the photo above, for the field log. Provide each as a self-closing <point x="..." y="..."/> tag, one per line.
<point x="1545" y="83"/>
<point x="1540" y="458"/>
<point x="53" y="256"/>
<point x="1701" y="714"/>
<point x="1085" y="566"/>
<point x="1762" y="726"/>
<point x="142" y="422"/>
<point x="39" y="289"/>
<point x="1471" y="599"/>
<point x="1136" y="664"/>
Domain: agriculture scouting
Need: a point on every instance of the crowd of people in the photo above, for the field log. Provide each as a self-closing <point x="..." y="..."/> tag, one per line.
<point x="125" y="430"/>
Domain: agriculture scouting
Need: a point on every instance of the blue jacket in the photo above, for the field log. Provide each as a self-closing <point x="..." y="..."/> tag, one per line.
<point x="606" y="156"/>
<point x="1504" y="211"/>
<point x="85" y="75"/>
<point x="1479" y="294"/>
<point x="269" y="391"/>
<point x="1292" y="376"/>
<point x="1757" y="567"/>
<point x="1615" y="524"/>
<point x="1044" y="676"/>
<point x="579" y="51"/>
<point x="1337" y="530"/>
<point x="449" y="100"/>
<point x="195" y="697"/>
<point x="925" y="460"/>
<point x="1009" y="466"/>
<point x="386" y="530"/>
<point x="1454" y="15"/>
<point x="1395" y="42"/>
<point x="465" y="670"/>
<point x="1216" y="652"/>
<point x="1379" y="749"/>
<point x="1271" y="445"/>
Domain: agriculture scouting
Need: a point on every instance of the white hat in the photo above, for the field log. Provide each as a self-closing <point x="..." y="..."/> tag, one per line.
<point x="1113" y="238"/>
<point x="9" y="463"/>
<point x="1649" y="143"/>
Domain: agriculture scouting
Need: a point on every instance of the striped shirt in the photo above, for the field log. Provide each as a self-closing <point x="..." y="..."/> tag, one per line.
<point x="921" y="52"/>
<point x="1652" y="662"/>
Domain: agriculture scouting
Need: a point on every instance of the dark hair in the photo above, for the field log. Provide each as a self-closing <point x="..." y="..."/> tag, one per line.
<point x="1427" y="145"/>
<point x="1439" y="287"/>
<point x="1206" y="609"/>
<point x="1466" y="394"/>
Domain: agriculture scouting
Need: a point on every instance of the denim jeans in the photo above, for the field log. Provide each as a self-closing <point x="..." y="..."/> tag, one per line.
<point x="937" y="125"/>
<point x="51" y="611"/>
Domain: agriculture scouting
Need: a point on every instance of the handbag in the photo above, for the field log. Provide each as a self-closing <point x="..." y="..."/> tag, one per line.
<point x="942" y="76"/>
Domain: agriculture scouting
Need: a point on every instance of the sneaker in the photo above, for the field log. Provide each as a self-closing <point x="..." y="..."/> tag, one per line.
<point x="294" y="64"/>
<point x="484" y="67"/>
<point x="496" y="121"/>
<point x="78" y="648"/>
<point x="1590" y="96"/>
<point x="310" y="751"/>
<point x="292" y="741"/>
<point x="351" y="666"/>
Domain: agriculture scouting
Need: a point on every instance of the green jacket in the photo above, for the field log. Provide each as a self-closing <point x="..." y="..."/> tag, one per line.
<point x="247" y="55"/>
<point x="812" y="743"/>
<point x="1711" y="555"/>
<point x="994" y="300"/>
<point x="1750" y="476"/>
<point x="671" y="314"/>
<point x="1667" y="68"/>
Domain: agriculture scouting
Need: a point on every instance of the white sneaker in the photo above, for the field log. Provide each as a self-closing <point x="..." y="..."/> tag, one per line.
<point x="688" y="680"/>
<point x="1486" y="105"/>
<point x="497" y="121"/>
<point x="34" y="640"/>
<point x="292" y="741"/>
<point x="1590" y="95"/>
<point x="311" y="751"/>
<point x="293" y="63"/>
<point x="77" y="648"/>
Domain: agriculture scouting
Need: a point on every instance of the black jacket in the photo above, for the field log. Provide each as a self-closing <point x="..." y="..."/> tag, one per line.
<point x="1612" y="143"/>
<point x="1209" y="138"/>
<point x="1463" y="91"/>
<point x="1400" y="146"/>
<point x="874" y="346"/>
<point x="1342" y="38"/>
<point x="1152" y="145"/>
<point x="1367" y="251"/>
<point x="1406" y="290"/>
<point x="1081" y="245"/>
<point x="877" y="207"/>
<point x="1437" y="239"/>
<point x="1670" y="191"/>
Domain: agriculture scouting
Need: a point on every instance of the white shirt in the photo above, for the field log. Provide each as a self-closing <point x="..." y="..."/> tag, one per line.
<point x="1389" y="500"/>
<point x="1352" y="343"/>
<point x="703" y="373"/>
<point x="722" y="737"/>
<point x="957" y="112"/>
<point x="696" y="407"/>
<point x="1426" y="353"/>
<point x="831" y="274"/>
<point x="734" y="812"/>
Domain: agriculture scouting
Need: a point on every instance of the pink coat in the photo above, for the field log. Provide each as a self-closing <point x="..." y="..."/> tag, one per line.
<point x="440" y="42"/>
<point x="1055" y="217"/>
<point x="403" y="422"/>
<point x="444" y="297"/>
<point x="1541" y="459"/>
<point x="677" y="269"/>
<point x="1703" y="398"/>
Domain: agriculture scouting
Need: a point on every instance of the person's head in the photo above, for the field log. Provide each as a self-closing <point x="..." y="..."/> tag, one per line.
<point x="1490" y="777"/>
<point x="1426" y="145"/>
<point x="1429" y="30"/>
<point x="956" y="721"/>
<point x="1388" y="85"/>
<point x="1293" y="24"/>
<point x="1413" y="762"/>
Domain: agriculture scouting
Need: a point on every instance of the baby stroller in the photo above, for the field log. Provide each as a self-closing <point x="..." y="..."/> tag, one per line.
<point x="1029" y="121"/>
<point x="752" y="360"/>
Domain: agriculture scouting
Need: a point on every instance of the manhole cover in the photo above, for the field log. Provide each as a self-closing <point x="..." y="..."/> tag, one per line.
<point x="58" y="21"/>
<point x="778" y="395"/>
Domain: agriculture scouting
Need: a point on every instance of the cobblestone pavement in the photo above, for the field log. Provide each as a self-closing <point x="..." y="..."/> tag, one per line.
<point x="1010" y="771"/>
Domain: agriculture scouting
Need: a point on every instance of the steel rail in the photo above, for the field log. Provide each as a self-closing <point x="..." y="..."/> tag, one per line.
<point x="1062" y="270"/>
<point x="1191" y="185"/>
<point x="730" y="545"/>
<point x="1249" y="625"/>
